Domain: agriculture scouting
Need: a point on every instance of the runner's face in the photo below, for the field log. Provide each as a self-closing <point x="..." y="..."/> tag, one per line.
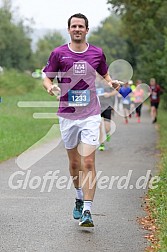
<point x="152" y="82"/>
<point x="77" y="30"/>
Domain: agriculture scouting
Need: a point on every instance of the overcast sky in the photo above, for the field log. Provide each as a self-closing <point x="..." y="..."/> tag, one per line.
<point x="54" y="13"/>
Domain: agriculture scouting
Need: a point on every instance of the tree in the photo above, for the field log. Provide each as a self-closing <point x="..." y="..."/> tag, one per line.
<point x="110" y="37"/>
<point x="145" y="23"/>
<point x="15" y="44"/>
<point x="45" y="45"/>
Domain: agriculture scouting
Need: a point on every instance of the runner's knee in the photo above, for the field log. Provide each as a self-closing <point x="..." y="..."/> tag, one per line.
<point x="89" y="163"/>
<point x="74" y="164"/>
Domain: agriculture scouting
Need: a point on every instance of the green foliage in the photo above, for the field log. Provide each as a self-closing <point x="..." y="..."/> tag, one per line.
<point x="145" y="23"/>
<point x="164" y="100"/>
<point x="158" y="196"/>
<point x="110" y="39"/>
<point x="45" y="46"/>
<point x="15" y="45"/>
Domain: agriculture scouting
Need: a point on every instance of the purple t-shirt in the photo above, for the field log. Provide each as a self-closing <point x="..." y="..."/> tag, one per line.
<point x="76" y="73"/>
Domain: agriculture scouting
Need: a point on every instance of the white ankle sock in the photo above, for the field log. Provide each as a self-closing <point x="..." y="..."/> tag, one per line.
<point x="79" y="193"/>
<point x="87" y="205"/>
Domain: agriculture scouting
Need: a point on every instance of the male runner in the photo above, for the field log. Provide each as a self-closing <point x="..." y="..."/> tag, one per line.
<point x="76" y="64"/>
<point x="156" y="91"/>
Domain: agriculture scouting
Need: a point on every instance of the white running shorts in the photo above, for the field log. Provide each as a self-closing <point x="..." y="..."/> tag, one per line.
<point x="75" y="131"/>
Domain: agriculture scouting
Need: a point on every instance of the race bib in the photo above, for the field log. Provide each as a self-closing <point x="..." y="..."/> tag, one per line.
<point x="126" y="101"/>
<point x="154" y="95"/>
<point x="78" y="97"/>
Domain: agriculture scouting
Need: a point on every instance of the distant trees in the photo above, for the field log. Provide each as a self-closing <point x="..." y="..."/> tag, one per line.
<point x="135" y="31"/>
<point x="145" y="23"/>
<point x="110" y="36"/>
<point x="44" y="47"/>
<point x="15" y="44"/>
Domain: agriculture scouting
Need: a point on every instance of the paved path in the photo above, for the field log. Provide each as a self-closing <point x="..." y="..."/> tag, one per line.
<point x="31" y="220"/>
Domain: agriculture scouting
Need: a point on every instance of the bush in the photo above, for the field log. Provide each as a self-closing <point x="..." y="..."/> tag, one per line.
<point x="164" y="100"/>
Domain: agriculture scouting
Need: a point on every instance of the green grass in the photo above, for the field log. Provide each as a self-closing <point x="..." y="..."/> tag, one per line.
<point x="15" y="82"/>
<point x="18" y="129"/>
<point x="159" y="196"/>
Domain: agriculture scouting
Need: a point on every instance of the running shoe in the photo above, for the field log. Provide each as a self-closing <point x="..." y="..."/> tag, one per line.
<point x="108" y="138"/>
<point x="77" y="212"/>
<point x="101" y="147"/>
<point x="86" y="219"/>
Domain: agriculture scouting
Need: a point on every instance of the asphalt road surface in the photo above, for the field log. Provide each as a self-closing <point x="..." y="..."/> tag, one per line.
<point x="36" y="214"/>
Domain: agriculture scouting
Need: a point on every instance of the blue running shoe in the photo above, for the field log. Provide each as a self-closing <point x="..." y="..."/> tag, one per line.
<point x="86" y="219"/>
<point x="77" y="212"/>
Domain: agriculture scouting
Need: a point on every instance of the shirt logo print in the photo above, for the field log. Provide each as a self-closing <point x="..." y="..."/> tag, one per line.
<point x="79" y="68"/>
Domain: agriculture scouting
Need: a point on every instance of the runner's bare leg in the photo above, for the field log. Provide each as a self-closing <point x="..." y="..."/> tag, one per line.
<point x="83" y="166"/>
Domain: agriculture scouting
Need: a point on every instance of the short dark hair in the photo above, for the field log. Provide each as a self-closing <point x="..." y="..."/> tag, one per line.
<point x="78" y="15"/>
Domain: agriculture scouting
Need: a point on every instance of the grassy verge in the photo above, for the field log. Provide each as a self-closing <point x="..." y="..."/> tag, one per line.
<point x="158" y="197"/>
<point x="18" y="129"/>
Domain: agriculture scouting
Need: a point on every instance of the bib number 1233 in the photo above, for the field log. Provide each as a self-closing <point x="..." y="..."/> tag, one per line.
<point x="78" y="97"/>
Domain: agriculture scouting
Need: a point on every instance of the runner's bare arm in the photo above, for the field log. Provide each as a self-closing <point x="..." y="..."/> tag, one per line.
<point x="112" y="83"/>
<point x="49" y="86"/>
<point x="110" y="94"/>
